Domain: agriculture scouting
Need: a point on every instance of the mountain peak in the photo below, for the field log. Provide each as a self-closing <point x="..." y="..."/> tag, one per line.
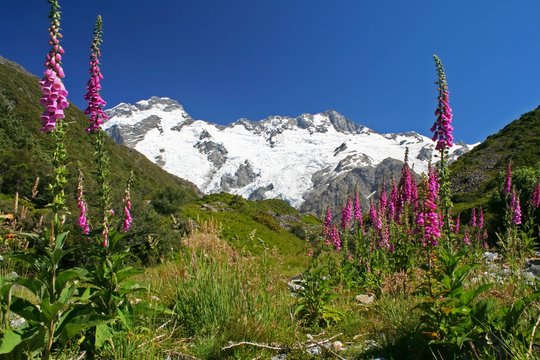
<point x="343" y="124"/>
<point x="163" y="104"/>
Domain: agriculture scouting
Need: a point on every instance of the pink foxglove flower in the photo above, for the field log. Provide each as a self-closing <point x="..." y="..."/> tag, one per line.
<point x="358" y="216"/>
<point x="105" y="234"/>
<point x="481" y="218"/>
<point x="53" y="93"/>
<point x="405" y="184"/>
<point x="385" y="238"/>
<point x="374" y="217"/>
<point x="127" y="216"/>
<point x="127" y="205"/>
<point x="508" y="180"/>
<point x="106" y="226"/>
<point x="466" y="238"/>
<point x="393" y="201"/>
<point x="535" y="199"/>
<point x="383" y="199"/>
<point x="81" y="204"/>
<point x="442" y="128"/>
<point x="414" y="192"/>
<point x="347" y="214"/>
<point x="515" y="208"/>
<point x="430" y="219"/>
<point x="327" y="226"/>
<point x="457" y="224"/>
<point x="95" y="112"/>
<point x="335" y="237"/>
<point x="473" y="218"/>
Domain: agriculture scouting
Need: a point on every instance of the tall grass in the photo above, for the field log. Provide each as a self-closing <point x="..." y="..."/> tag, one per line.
<point x="224" y="296"/>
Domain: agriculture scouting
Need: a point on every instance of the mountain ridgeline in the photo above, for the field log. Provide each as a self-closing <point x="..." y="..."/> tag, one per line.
<point x="311" y="161"/>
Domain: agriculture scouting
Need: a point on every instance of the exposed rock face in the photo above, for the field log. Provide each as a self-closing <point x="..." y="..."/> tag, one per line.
<point x="311" y="161"/>
<point x="131" y="135"/>
<point x="333" y="191"/>
<point x="425" y="154"/>
<point x="259" y="193"/>
<point x="215" y="153"/>
<point x="342" y="124"/>
<point x="243" y="176"/>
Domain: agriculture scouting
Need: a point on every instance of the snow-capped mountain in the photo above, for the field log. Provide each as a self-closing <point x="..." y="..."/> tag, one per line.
<point x="311" y="161"/>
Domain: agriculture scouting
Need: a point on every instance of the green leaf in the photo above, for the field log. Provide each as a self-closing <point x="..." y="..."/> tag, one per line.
<point x="26" y="309"/>
<point x="128" y="272"/>
<point x="104" y="332"/>
<point x="70" y="275"/>
<point x="9" y="341"/>
<point x="123" y="316"/>
<point x="35" y="286"/>
<point x="81" y="323"/>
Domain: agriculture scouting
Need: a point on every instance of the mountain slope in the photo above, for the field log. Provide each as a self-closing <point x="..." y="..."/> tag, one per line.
<point x="474" y="175"/>
<point x="25" y="153"/>
<point x="294" y="159"/>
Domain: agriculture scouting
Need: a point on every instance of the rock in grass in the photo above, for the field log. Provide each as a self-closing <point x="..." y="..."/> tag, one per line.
<point x="365" y="299"/>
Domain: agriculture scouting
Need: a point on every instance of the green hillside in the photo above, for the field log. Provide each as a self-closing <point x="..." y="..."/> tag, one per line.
<point x="475" y="174"/>
<point x="25" y="153"/>
<point x="258" y="226"/>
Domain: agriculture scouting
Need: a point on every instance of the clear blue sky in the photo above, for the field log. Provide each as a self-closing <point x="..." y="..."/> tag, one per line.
<point x="371" y="60"/>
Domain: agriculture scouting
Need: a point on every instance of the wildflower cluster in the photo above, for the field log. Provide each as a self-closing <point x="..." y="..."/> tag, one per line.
<point x="53" y="93"/>
<point x="127" y="204"/>
<point x="442" y="128"/>
<point x="83" y="207"/>
<point x="535" y="199"/>
<point x="428" y="219"/>
<point x="95" y="112"/>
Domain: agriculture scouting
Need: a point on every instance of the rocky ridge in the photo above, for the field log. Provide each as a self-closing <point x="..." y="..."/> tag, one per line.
<point x="311" y="161"/>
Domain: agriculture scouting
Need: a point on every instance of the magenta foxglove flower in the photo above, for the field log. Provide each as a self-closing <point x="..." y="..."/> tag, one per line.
<point x="393" y="201"/>
<point x="405" y="184"/>
<point x="385" y="238"/>
<point x="127" y="217"/>
<point x="106" y="226"/>
<point x="53" y="93"/>
<point x="515" y="208"/>
<point x="374" y="217"/>
<point x="105" y="234"/>
<point x="327" y="226"/>
<point x="347" y="214"/>
<point x="358" y="216"/>
<point x="383" y="200"/>
<point x="535" y="199"/>
<point x="414" y="192"/>
<point x="473" y="217"/>
<point x="442" y="128"/>
<point x="480" y="218"/>
<point x="127" y="205"/>
<point x="81" y="204"/>
<point x="508" y="180"/>
<point x="335" y="237"/>
<point x="95" y="112"/>
<point x="430" y="219"/>
<point x="466" y="238"/>
<point x="457" y="224"/>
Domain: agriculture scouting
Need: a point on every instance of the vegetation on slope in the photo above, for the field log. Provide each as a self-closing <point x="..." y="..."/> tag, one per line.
<point x="477" y="173"/>
<point x="259" y="226"/>
<point x="25" y="154"/>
